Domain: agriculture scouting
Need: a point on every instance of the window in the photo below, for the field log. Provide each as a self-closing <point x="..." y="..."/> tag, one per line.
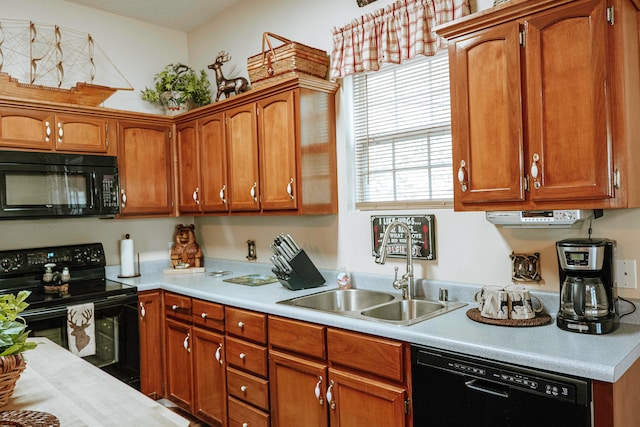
<point x="402" y="135"/>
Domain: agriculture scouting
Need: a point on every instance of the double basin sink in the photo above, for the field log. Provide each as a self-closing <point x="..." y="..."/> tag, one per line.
<point x="374" y="305"/>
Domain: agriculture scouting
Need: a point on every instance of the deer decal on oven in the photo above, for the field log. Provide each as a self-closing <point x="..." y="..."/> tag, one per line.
<point x="79" y="333"/>
<point x="224" y="85"/>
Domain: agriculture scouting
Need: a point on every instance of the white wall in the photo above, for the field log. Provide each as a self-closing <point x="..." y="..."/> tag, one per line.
<point x="469" y="249"/>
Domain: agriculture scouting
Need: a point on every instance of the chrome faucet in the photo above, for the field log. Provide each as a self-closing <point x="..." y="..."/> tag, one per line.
<point x="406" y="282"/>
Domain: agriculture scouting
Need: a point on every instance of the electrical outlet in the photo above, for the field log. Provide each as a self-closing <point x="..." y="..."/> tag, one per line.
<point x="626" y="274"/>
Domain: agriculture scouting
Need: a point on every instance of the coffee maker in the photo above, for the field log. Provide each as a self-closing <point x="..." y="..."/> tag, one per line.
<point x="587" y="286"/>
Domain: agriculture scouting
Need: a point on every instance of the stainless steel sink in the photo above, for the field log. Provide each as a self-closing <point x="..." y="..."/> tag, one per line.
<point x="408" y="312"/>
<point x="341" y="300"/>
<point x="373" y="305"/>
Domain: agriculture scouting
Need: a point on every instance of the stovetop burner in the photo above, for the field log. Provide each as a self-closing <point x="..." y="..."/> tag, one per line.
<point x="23" y="269"/>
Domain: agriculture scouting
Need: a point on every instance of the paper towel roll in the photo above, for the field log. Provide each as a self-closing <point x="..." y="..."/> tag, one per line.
<point x="127" y="268"/>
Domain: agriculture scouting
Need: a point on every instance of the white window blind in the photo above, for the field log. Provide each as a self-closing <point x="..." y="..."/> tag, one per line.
<point x="402" y="135"/>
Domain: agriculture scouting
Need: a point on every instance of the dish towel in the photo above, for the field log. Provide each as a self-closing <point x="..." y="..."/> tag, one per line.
<point x="81" y="329"/>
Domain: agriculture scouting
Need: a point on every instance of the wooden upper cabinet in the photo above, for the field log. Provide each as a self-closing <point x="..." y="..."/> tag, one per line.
<point x="242" y="149"/>
<point x="46" y="130"/>
<point x="543" y="96"/>
<point x="188" y="168"/>
<point x="277" y="148"/>
<point x="213" y="164"/>
<point x="144" y="166"/>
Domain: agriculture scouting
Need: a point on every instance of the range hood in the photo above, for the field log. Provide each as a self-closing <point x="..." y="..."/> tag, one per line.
<point x="564" y="218"/>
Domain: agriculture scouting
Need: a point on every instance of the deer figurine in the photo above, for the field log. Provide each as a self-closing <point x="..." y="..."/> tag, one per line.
<point x="227" y="86"/>
<point x="82" y="339"/>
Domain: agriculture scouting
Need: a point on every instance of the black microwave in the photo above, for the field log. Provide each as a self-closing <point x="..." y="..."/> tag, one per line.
<point x="52" y="185"/>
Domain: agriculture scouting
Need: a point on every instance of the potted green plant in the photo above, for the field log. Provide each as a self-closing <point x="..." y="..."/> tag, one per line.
<point x="179" y="88"/>
<point x="13" y="342"/>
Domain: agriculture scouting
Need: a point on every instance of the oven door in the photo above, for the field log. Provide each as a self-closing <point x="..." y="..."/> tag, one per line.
<point x="116" y="332"/>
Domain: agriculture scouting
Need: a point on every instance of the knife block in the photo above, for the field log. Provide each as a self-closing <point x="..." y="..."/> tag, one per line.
<point x="303" y="274"/>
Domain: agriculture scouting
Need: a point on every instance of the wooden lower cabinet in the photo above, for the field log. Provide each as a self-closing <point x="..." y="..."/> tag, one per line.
<point x="150" y="324"/>
<point x="209" y="376"/>
<point x="179" y="384"/>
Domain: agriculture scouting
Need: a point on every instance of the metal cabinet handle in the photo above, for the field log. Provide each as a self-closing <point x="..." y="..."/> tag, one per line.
<point x="253" y="192"/>
<point x="47" y="131"/>
<point x="462" y="175"/>
<point x="195" y="195"/>
<point x="330" y="401"/>
<point x="243" y="388"/>
<point x="222" y="191"/>
<point x="203" y="315"/>
<point x="143" y="312"/>
<point x="290" y="189"/>
<point x="60" y="132"/>
<point x="185" y="343"/>
<point x="317" y="391"/>
<point x="240" y="325"/>
<point x="245" y="424"/>
<point x="175" y="307"/>
<point x="219" y="353"/>
<point x="123" y="198"/>
<point x="242" y="356"/>
<point x="535" y="171"/>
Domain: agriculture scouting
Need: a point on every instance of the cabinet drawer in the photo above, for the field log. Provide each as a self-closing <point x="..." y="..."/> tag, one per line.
<point x="300" y="337"/>
<point x="177" y="306"/>
<point x="208" y="314"/>
<point x="246" y="324"/>
<point x="246" y="387"/>
<point x="241" y="415"/>
<point x="247" y="356"/>
<point x="378" y="356"/>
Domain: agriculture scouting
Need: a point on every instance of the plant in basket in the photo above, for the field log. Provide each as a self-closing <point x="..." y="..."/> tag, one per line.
<point x="13" y="342"/>
<point x="178" y="88"/>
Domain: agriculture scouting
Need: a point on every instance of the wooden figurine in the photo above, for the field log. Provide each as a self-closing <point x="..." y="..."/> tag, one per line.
<point x="227" y="86"/>
<point x="186" y="250"/>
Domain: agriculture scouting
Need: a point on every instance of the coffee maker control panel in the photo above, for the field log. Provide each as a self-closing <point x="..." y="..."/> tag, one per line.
<point x="581" y="258"/>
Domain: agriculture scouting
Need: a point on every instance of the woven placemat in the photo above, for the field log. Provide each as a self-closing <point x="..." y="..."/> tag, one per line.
<point x="539" y="320"/>
<point x="20" y="418"/>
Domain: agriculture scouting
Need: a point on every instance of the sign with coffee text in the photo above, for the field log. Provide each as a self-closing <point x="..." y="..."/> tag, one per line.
<point x="422" y="235"/>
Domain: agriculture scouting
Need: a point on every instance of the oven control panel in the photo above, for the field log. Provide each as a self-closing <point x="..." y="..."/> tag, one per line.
<point x="23" y="261"/>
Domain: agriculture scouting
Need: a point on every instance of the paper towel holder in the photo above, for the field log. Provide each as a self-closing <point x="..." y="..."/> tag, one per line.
<point x="120" y="276"/>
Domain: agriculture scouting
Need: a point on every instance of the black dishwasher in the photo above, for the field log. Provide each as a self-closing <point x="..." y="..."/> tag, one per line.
<point x="456" y="390"/>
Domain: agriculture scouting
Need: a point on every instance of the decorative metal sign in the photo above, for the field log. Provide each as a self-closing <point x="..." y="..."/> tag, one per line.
<point x="422" y="233"/>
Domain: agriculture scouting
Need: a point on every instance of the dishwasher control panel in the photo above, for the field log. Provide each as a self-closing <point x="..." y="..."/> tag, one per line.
<point x="564" y="388"/>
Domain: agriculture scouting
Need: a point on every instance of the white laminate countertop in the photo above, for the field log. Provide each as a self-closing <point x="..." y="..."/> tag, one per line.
<point x="79" y="394"/>
<point x="599" y="357"/>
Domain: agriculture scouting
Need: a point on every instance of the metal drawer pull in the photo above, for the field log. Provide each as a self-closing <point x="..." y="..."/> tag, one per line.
<point x="253" y="192"/>
<point x="195" y="195"/>
<point x="290" y="189"/>
<point x="143" y="312"/>
<point x="242" y="356"/>
<point x="203" y="315"/>
<point x="317" y="391"/>
<point x="123" y="197"/>
<point x="535" y="171"/>
<point x="330" y="401"/>
<point x="240" y="325"/>
<point x="245" y="424"/>
<point x="462" y="175"/>
<point x="47" y="131"/>
<point x="60" y="132"/>
<point x="219" y="354"/>
<point x="175" y="307"/>
<point x="473" y="384"/>
<point x="243" y="388"/>
<point x="222" y="190"/>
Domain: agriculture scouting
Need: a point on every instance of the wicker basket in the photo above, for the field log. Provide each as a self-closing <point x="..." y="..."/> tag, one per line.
<point x="291" y="58"/>
<point x="10" y="369"/>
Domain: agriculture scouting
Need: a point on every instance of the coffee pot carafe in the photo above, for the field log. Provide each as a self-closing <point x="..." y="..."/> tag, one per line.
<point x="587" y="286"/>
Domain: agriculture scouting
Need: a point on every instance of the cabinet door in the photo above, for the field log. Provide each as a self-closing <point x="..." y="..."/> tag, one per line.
<point x="277" y="148"/>
<point x="150" y="323"/>
<point x="487" y="116"/>
<point x="213" y="164"/>
<point x="26" y="128"/>
<point x="570" y="155"/>
<point x="80" y="134"/>
<point x="188" y="169"/>
<point x="242" y="146"/>
<point x="178" y="363"/>
<point x="293" y="383"/>
<point x="209" y="376"/>
<point x="144" y="166"/>
<point x="359" y="401"/>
